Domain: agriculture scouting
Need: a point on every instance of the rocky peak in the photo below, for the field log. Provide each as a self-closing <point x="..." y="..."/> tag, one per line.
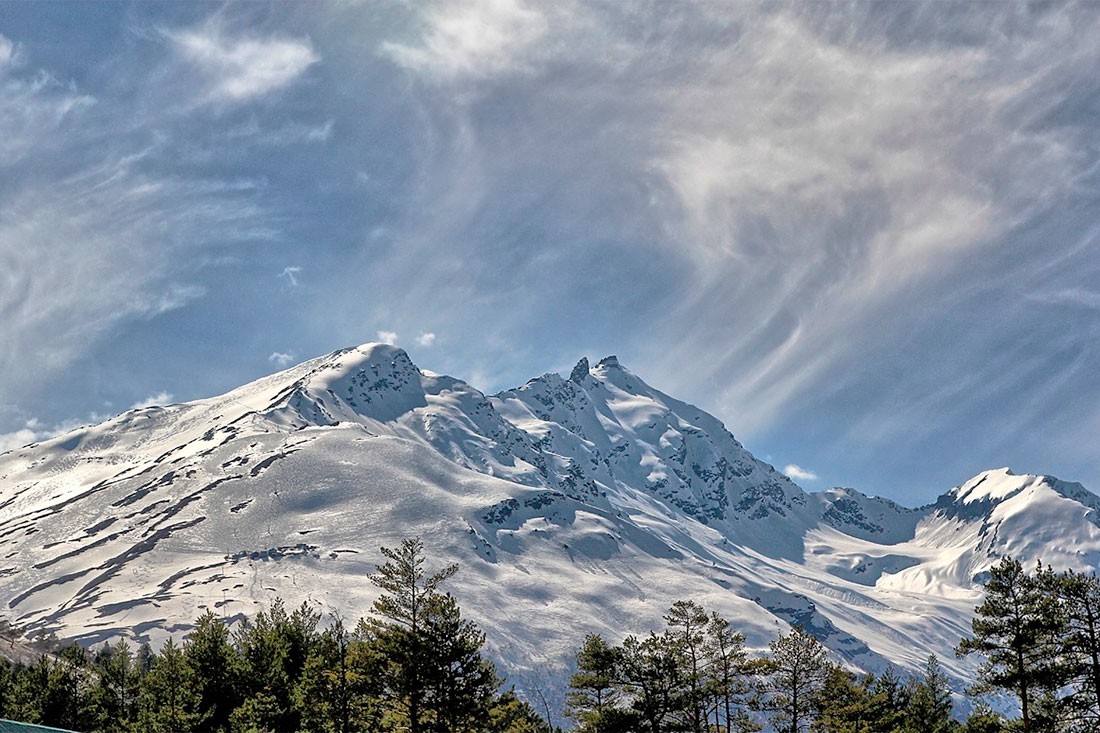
<point x="580" y="371"/>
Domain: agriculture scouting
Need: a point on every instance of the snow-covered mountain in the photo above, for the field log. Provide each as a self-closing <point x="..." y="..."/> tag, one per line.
<point x="573" y="505"/>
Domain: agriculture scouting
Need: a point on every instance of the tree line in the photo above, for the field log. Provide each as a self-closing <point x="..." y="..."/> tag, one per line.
<point x="1038" y="634"/>
<point x="415" y="664"/>
<point x="696" y="676"/>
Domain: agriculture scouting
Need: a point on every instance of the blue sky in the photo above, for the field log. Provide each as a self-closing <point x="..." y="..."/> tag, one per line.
<point x="866" y="236"/>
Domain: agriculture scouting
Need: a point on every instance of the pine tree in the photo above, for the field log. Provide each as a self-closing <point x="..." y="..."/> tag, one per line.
<point x="7" y="687"/>
<point x="651" y="669"/>
<point x="888" y="703"/>
<point x="594" y="693"/>
<point x="984" y="720"/>
<point x="509" y="714"/>
<point x="1079" y="643"/>
<point x="687" y="624"/>
<point x="463" y="683"/>
<point x="118" y="686"/>
<point x="435" y="678"/>
<point x="843" y="704"/>
<point x="930" y="705"/>
<point x="1016" y="629"/>
<point x="335" y="693"/>
<point x="274" y="649"/>
<point x="730" y="676"/>
<point x="170" y="696"/>
<point x="796" y="668"/>
<point x="218" y="669"/>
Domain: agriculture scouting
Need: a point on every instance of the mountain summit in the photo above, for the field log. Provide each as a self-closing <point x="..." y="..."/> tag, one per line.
<point x="573" y="506"/>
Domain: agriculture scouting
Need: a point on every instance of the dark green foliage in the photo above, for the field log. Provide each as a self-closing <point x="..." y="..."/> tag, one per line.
<point x="687" y="626"/>
<point x="1079" y="645"/>
<point x="796" y="670"/>
<point x="434" y="679"/>
<point x="888" y="702"/>
<point x="930" y="706"/>
<point x="170" y="696"/>
<point x="273" y="649"/>
<point x="843" y="704"/>
<point x="415" y="664"/>
<point x="984" y="720"/>
<point x="730" y="677"/>
<point x="509" y="714"/>
<point x="1016" y="630"/>
<point x="218" y="670"/>
<point x="116" y="690"/>
<point x="594" y="692"/>
<point x="651" y="671"/>
<point x="338" y="690"/>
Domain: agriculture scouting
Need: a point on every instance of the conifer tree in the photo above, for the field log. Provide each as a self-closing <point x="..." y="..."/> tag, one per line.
<point x="796" y="668"/>
<point x="930" y="704"/>
<point x="509" y="714"/>
<point x="463" y="684"/>
<point x="1079" y="643"/>
<point x="687" y="625"/>
<point x="730" y="676"/>
<point x="118" y="686"/>
<point x="651" y="669"/>
<point x="888" y="702"/>
<point x="434" y="678"/>
<point x="218" y="668"/>
<point x="1015" y="629"/>
<point x="8" y="673"/>
<point x="273" y="649"/>
<point x="594" y="693"/>
<point x="983" y="719"/>
<point x="843" y="704"/>
<point x="335" y="693"/>
<point x="170" y="698"/>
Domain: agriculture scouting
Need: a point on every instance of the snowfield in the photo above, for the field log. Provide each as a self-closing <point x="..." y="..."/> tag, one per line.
<point x="573" y="506"/>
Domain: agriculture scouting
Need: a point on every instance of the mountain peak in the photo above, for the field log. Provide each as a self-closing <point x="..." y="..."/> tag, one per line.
<point x="580" y="371"/>
<point x="372" y="380"/>
<point x="611" y="361"/>
<point x="994" y="485"/>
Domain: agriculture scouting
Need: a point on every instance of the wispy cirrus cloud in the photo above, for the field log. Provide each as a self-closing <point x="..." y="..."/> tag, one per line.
<point x="99" y="229"/>
<point x="473" y="40"/>
<point x="805" y="202"/>
<point x="239" y="68"/>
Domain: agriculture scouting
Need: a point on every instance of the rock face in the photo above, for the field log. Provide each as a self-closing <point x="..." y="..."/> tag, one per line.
<point x="578" y="505"/>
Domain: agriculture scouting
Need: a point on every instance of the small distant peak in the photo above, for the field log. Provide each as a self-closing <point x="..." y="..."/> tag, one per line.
<point x="580" y="371"/>
<point x="609" y="361"/>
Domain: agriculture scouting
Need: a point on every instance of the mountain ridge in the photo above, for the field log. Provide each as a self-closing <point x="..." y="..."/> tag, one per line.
<point x="579" y="504"/>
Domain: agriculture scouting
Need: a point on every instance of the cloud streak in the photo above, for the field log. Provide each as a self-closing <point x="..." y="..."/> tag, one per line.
<point x="240" y="69"/>
<point x="861" y="233"/>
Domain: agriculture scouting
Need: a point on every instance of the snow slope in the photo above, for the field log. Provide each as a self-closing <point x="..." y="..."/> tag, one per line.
<point x="573" y="505"/>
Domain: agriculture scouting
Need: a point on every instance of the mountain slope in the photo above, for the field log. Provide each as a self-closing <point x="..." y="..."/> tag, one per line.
<point x="574" y="505"/>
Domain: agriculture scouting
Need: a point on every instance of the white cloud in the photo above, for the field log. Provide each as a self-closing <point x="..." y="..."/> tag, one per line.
<point x="244" y="68"/>
<point x="387" y="337"/>
<point x="291" y="274"/>
<point x="17" y="439"/>
<point x="798" y="473"/>
<point x="89" y="253"/>
<point x="158" y="399"/>
<point x="425" y="339"/>
<point x="473" y="39"/>
<point x="282" y="359"/>
<point x="7" y="51"/>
